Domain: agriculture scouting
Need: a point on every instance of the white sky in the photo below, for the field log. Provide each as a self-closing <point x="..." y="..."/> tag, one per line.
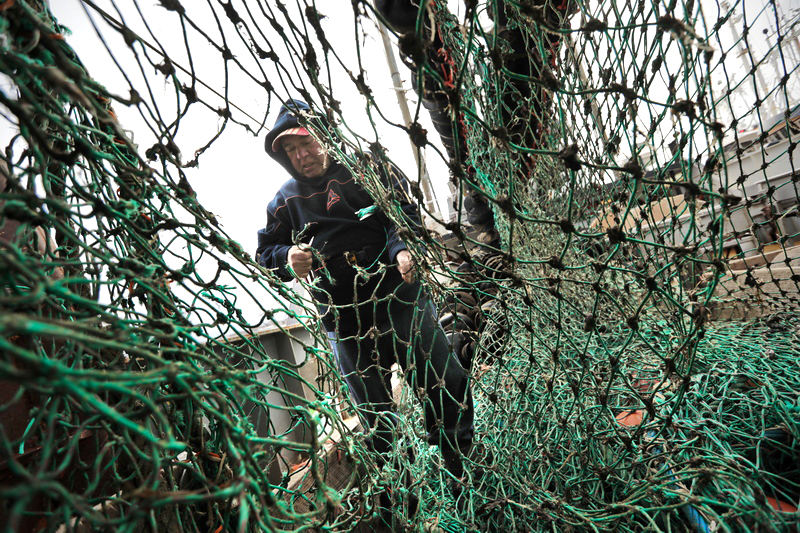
<point x="236" y="178"/>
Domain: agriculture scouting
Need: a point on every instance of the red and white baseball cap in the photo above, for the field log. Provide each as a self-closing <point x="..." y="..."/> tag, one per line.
<point x="291" y="131"/>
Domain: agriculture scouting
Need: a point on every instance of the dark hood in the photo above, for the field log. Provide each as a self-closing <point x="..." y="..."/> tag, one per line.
<point x="293" y="113"/>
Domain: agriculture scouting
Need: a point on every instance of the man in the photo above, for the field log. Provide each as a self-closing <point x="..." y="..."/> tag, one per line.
<point x="373" y="309"/>
<point x="523" y="106"/>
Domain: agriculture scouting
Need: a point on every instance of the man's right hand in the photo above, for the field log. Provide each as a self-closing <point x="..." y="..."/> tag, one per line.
<point x="300" y="261"/>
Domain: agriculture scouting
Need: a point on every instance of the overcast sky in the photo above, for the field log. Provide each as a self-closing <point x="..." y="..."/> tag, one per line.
<point x="236" y="178"/>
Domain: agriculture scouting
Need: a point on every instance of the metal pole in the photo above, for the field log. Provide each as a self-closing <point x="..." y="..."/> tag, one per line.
<point x="402" y="101"/>
<point x="757" y="77"/>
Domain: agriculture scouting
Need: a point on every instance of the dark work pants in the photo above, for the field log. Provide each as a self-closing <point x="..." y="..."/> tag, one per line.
<point x="411" y="337"/>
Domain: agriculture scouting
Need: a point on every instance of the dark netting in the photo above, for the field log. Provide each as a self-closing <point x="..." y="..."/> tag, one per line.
<point x="619" y="277"/>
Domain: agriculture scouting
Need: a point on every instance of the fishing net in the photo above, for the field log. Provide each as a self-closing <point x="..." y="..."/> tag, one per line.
<point x="626" y="306"/>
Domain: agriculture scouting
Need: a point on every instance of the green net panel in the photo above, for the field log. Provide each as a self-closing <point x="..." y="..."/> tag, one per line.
<point x="632" y="336"/>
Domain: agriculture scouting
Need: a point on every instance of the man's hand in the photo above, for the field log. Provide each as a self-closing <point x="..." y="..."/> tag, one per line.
<point x="405" y="265"/>
<point x="300" y="261"/>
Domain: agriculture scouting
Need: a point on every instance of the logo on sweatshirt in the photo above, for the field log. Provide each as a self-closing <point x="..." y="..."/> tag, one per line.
<point x="332" y="198"/>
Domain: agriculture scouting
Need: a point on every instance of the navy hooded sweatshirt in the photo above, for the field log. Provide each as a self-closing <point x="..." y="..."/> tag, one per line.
<point x="325" y="210"/>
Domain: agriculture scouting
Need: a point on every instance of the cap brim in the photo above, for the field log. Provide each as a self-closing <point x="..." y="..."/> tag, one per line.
<point x="291" y="131"/>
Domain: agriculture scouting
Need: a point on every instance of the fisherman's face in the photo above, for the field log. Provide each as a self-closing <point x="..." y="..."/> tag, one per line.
<point x="308" y="158"/>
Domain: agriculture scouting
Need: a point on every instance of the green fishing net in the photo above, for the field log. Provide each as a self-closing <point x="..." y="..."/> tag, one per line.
<point x="632" y="336"/>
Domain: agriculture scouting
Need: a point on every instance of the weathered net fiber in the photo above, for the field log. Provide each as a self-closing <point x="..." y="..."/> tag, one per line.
<point x="632" y="341"/>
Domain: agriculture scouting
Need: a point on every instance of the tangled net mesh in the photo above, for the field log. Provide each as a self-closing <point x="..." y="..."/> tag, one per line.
<point x="632" y="341"/>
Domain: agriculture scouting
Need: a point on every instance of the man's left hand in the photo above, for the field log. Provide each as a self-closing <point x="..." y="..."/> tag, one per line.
<point x="405" y="265"/>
